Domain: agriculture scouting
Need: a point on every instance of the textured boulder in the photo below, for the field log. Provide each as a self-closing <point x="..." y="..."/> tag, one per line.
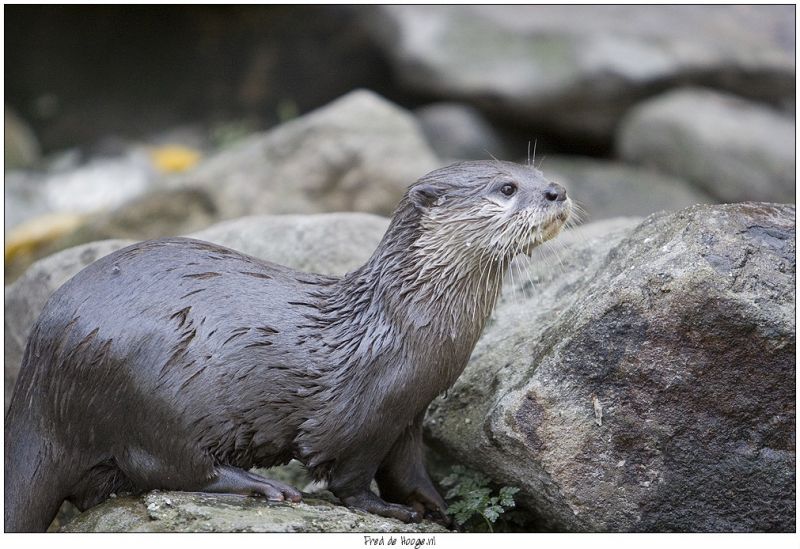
<point x="359" y="153"/>
<point x="611" y="189"/>
<point x="646" y="381"/>
<point x="186" y="512"/>
<point x="576" y="69"/>
<point x="324" y="243"/>
<point x="735" y="150"/>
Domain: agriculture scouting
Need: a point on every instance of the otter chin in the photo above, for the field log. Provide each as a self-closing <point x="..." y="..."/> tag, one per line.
<point x="550" y="228"/>
<point x="177" y="364"/>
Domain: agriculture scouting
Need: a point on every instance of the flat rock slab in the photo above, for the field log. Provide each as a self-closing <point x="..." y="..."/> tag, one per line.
<point x="193" y="512"/>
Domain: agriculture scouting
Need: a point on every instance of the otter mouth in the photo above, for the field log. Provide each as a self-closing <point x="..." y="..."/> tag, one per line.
<point x="548" y="229"/>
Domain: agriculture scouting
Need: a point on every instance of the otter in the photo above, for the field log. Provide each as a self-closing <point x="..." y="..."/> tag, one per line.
<point x="177" y="364"/>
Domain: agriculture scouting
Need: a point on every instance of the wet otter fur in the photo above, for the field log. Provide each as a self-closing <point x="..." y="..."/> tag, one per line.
<point x="178" y="364"/>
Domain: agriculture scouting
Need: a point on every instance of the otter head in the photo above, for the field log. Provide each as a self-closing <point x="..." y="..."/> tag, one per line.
<point x="488" y="210"/>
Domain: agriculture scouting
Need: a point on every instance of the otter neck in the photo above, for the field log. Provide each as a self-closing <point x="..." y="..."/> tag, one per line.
<point x="393" y="334"/>
<point x="436" y="298"/>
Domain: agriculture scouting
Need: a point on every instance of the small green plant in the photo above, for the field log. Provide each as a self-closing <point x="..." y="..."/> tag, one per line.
<point x="470" y="499"/>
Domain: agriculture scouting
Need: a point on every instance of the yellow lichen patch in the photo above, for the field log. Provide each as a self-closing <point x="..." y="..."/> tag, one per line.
<point x="25" y="238"/>
<point x="174" y="158"/>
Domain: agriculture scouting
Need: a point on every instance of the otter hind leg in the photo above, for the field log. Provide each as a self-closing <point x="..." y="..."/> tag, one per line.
<point x="232" y="480"/>
<point x="402" y="476"/>
<point x="350" y="480"/>
<point x="171" y="469"/>
<point x="98" y="483"/>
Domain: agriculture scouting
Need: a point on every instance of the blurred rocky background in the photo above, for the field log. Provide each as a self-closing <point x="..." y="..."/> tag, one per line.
<point x="145" y="121"/>
<point x="667" y="402"/>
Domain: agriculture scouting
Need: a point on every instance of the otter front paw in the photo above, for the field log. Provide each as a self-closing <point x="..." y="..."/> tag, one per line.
<point x="367" y="501"/>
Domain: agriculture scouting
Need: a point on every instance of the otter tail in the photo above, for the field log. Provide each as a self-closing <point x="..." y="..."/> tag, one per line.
<point x="34" y="486"/>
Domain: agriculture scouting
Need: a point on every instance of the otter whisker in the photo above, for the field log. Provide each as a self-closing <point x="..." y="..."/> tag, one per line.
<point x="520" y="243"/>
<point x="553" y="251"/>
<point x="527" y="269"/>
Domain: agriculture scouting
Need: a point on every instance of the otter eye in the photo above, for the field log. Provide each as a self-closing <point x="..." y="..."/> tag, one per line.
<point x="508" y="189"/>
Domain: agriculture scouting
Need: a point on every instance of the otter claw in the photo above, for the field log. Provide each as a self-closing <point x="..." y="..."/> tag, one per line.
<point x="367" y="501"/>
<point x="434" y="513"/>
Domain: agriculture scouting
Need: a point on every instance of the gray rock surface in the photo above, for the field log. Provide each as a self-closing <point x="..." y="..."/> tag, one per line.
<point x="325" y="243"/>
<point x="332" y="243"/>
<point x="576" y="69"/>
<point x="358" y="153"/>
<point x="735" y="150"/>
<point x="185" y="512"/>
<point x="645" y="381"/>
<point x="459" y="131"/>
<point x="608" y="189"/>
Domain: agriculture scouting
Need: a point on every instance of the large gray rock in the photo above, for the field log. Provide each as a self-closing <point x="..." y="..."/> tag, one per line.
<point x="359" y="153"/>
<point x="576" y="69"/>
<point x="324" y="243"/>
<point x="644" y="382"/>
<point x="186" y="512"/>
<point x="735" y="150"/>
<point x="610" y="189"/>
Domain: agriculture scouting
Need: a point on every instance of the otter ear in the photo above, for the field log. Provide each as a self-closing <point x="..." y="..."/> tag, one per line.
<point x="424" y="195"/>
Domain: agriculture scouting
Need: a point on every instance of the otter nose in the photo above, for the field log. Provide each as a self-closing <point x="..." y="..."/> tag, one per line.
<point x="555" y="192"/>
